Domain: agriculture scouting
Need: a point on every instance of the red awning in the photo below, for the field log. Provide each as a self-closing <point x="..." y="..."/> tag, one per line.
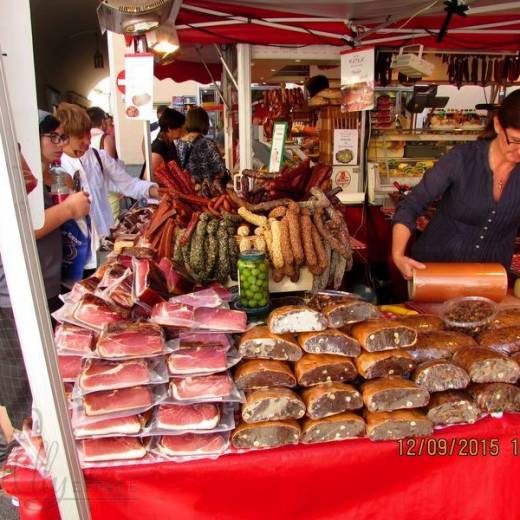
<point x="181" y="71"/>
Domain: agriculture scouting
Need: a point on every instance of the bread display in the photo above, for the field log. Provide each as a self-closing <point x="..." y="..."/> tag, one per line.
<point x="505" y="340"/>
<point x="330" y="399"/>
<point x="313" y="369"/>
<point x="348" y="311"/>
<point x="377" y="335"/>
<point x="439" y="345"/>
<point x="440" y="375"/>
<point x="295" y="319"/>
<point x="334" y="428"/>
<point x="452" y="407"/>
<point x="393" y="393"/>
<point x="496" y="397"/>
<point x="385" y="426"/>
<point x="330" y="341"/>
<point x="272" y="404"/>
<point x="372" y="365"/>
<point x="487" y="366"/>
<point x="508" y="317"/>
<point x="266" y="434"/>
<point x="423" y="322"/>
<point x="261" y="373"/>
<point x="260" y="343"/>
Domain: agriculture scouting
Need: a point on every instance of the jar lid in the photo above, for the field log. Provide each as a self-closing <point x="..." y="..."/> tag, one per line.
<point x="252" y="254"/>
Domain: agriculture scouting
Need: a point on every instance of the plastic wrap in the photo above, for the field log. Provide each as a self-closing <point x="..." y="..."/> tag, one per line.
<point x="205" y="298"/>
<point x="190" y="446"/>
<point x="204" y="389"/>
<point x="73" y="339"/>
<point x="131" y="426"/>
<point x="201" y="360"/>
<point x="70" y="367"/>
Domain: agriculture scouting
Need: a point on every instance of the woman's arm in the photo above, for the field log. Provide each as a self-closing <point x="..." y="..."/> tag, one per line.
<point x="157" y="161"/>
<point x="400" y="238"/>
<point x="109" y="145"/>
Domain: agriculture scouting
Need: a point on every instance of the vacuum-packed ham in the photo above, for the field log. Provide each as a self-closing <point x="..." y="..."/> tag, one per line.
<point x="313" y="369"/>
<point x="216" y="386"/>
<point x="72" y="338"/>
<point x="70" y="367"/>
<point x="189" y="339"/>
<point x="177" y="280"/>
<point x="259" y="343"/>
<point x="496" y="397"/>
<point x="173" y="315"/>
<point x="393" y="393"/>
<point x="423" y="322"/>
<point x="118" y="401"/>
<point x="96" y="313"/>
<point x="346" y="425"/>
<point x="452" y="407"/>
<point x="100" y="374"/>
<point x="149" y="283"/>
<point x="272" y="404"/>
<point x="346" y="312"/>
<point x="130" y="340"/>
<point x="372" y="365"/>
<point x="223" y="320"/>
<point x="112" y="448"/>
<point x="131" y="425"/>
<point x="440" y="375"/>
<point x="197" y="360"/>
<point x="271" y="434"/>
<point x="201" y="416"/>
<point x="121" y="292"/>
<point x="505" y="340"/>
<point x="192" y="444"/>
<point x="330" y="399"/>
<point x="291" y="319"/>
<point x="439" y="345"/>
<point x="330" y="341"/>
<point x="385" y="426"/>
<point x="377" y="335"/>
<point x="82" y="287"/>
<point x="205" y="298"/>
<point x="487" y="366"/>
<point x="260" y="373"/>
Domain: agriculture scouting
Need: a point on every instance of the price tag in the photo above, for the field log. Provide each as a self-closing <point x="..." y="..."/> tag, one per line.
<point x="278" y="146"/>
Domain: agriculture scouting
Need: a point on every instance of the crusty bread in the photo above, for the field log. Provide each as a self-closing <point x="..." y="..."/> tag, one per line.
<point x="260" y="343"/>
<point x="334" y="428"/>
<point x="384" y="426"/>
<point x="270" y="434"/>
<point x="291" y="319"/>
<point x="377" y="335"/>
<point x="272" y="404"/>
<point x="261" y="373"/>
<point x="372" y="365"/>
<point x="330" y="399"/>
<point x="329" y="341"/>
<point x="313" y="369"/>
<point x="393" y="393"/>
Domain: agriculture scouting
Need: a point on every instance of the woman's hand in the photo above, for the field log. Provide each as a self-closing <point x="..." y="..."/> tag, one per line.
<point x="407" y="265"/>
<point x="153" y="192"/>
<point x="77" y="204"/>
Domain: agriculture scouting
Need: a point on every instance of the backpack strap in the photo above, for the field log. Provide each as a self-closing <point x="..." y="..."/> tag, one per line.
<point x="98" y="157"/>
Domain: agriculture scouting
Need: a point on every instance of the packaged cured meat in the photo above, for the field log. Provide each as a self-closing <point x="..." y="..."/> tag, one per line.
<point x="177" y="280"/>
<point x="206" y="298"/>
<point x="487" y="366"/>
<point x="111" y="274"/>
<point x="439" y="345"/>
<point x="130" y="340"/>
<point x="452" y="407"/>
<point x="149" y="282"/>
<point x="330" y="399"/>
<point x="74" y="339"/>
<point x="189" y="339"/>
<point x="294" y="319"/>
<point x="100" y="374"/>
<point x="272" y="404"/>
<point x="372" y="365"/>
<point x="201" y="360"/>
<point x="184" y="418"/>
<point x="393" y="393"/>
<point x="261" y="373"/>
<point x="342" y="313"/>
<point x="330" y="341"/>
<point x="313" y="369"/>
<point x="506" y="317"/>
<point x="131" y="425"/>
<point x="121" y="292"/>
<point x="209" y="388"/>
<point x="70" y="367"/>
<point x="192" y="445"/>
<point x="385" y="426"/>
<point x="505" y="340"/>
<point x="95" y="313"/>
<point x="220" y="320"/>
<point x="346" y="425"/>
<point x="440" y="375"/>
<point x="377" y="335"/>
<point x="259" y="343"/>
<point x="173" y="315"/>
<point x="496" y="397"/>
<point x="112" y="448"/>
<point x="79" y="289"/>
<point x="423" y="322"/>
<point x="270" y="434"/>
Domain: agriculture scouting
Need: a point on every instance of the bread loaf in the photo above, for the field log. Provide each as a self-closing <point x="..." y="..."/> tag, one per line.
<point x="272" y="404"/>
<point x="346" y="312"/>
<point x="372" y="365"/>
<point x="487" y="366"/>
<point x="440" y="375"/>
<point x="377" y="335"/>
<point x="439" y="345"/>
<point x="506" y="318"/>
<point x="335" y="428"/>
<point x="423" y="322"/>
<point x="266" y="435"/>
<point x="496" y="397"/>
<point x="505" y="340"/>
<point x="261" y="373"/>
<point x="295" y="319"/>
<point x="452" y="407"/>
<point x="385" y="426"/>
<point x="330" y="341"/>
<point x="393" y="393"/>
<point x="259" y="343"/>
<point x="313" y="369"/>
<point x="330" y="399"/>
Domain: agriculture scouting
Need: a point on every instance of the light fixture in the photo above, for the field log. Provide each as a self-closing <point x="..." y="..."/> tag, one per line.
<point x="163" y="42"/>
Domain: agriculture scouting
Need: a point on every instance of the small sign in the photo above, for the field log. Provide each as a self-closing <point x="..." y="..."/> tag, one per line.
<point x="277" y="146"/>
<point x="357" y="79"/>
<point x="346" y="144"/>
<point x="139" y="86"/>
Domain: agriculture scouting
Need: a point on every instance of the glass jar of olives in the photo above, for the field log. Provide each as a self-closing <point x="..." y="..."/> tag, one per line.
<point x="253" y="279"/>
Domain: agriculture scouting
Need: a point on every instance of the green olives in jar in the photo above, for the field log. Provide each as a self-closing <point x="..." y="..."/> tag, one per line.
<point x="253" y="279"/>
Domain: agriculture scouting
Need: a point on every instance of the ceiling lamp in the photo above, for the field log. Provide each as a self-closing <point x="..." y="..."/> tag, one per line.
<point x="163" y="42"/>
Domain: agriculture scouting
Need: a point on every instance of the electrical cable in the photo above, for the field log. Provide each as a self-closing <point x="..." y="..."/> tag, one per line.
<point x="424" y="9"/>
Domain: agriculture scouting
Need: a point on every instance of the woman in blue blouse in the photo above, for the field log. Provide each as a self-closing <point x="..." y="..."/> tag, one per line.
<point x="478" y="216"/>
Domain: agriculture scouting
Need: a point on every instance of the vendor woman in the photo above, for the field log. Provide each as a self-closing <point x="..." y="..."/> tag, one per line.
<point x="478" y="215"/>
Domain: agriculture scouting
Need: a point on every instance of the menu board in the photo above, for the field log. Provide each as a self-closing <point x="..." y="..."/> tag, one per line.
<point x="139" y="86"/>
<point x="346" y="144"/>
<point x="357" y="79"/>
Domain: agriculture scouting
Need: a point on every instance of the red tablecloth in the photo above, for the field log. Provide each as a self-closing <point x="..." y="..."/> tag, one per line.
<point x="356" y="479"/>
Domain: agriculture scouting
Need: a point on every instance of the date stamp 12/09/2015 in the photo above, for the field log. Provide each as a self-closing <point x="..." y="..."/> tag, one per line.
<point x="463" y="447"/>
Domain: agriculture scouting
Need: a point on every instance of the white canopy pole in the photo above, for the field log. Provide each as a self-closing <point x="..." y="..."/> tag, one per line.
<point x="244" y="105"/>
<point x="29" y="304"/>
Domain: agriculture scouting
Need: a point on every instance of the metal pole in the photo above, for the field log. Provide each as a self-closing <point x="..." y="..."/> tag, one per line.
<point x="226" y="66"/>
<point x="29" y="304"/>
<point x="244" y="105"/>
<point x="228" y="115"/>
<point x="147" y="151"/>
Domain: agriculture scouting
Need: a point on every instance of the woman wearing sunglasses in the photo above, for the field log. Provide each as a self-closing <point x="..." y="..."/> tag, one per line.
<point x="478" y="216"/>
<point x="15" y="393"/>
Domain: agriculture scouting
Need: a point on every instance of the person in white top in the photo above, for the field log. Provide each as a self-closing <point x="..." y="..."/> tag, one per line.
<point x="99" y="173"/>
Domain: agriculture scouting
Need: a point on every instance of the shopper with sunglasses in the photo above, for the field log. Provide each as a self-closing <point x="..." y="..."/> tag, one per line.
<point x="478" y="216"/>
